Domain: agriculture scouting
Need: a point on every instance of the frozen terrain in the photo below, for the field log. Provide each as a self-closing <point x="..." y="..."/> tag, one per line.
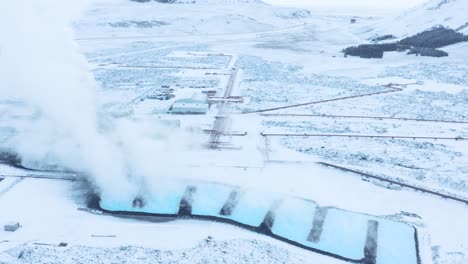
<point x="402" y="118"/>
<point x="448" y="13"/>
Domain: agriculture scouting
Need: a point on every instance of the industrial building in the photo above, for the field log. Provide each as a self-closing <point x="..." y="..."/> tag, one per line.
<point x="11" y="226"/>
<point x="197" y="105"/>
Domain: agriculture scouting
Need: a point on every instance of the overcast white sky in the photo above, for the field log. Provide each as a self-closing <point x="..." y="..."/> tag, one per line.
<point x="355" y="4"/>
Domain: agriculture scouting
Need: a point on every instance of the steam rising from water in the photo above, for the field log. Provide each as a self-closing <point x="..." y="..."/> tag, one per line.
<point x="40" y="64"/>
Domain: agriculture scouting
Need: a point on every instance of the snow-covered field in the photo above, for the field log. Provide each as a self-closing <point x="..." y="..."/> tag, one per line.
<point x="285" y="57"/>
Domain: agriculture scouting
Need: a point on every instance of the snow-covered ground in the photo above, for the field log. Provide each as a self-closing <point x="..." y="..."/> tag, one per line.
<point x="285" y="57"/>
<point x="448" y="13"/>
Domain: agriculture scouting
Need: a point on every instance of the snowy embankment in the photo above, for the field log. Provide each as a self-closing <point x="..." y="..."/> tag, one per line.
<point x="208" y="252"/>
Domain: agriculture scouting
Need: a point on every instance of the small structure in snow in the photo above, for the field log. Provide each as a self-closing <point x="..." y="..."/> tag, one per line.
<point x="163" y="96"/>
<point x="209" y="92"/>
<point x="120" y="113"/>
<point x="11" y="226"/>
<point x="353" y="20"/>
<point x="173" y="123"/>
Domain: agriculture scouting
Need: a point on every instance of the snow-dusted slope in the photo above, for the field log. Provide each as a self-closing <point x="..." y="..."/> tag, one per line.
<point x="186" y="17"/>
<point x="447" y="13"/>
<point x="217" y="1"/>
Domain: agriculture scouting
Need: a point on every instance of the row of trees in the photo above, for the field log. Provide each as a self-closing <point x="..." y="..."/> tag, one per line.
<point x="424" y="44"/>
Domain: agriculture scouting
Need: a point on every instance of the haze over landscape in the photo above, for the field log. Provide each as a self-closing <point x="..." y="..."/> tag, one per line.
<point x="234" y="131"/>
<point x="354" y="4"/>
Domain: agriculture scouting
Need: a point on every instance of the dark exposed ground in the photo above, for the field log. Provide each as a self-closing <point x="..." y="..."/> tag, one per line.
<point x="434" y="38"/>
<point x="423" y="44"/>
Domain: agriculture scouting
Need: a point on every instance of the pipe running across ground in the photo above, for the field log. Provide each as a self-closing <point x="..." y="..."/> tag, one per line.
<point x="360" y="136"/>
<point x="393" y="90"/>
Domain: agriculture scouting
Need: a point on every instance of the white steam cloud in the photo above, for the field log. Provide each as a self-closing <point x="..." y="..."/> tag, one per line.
<point x="40" y="65"/>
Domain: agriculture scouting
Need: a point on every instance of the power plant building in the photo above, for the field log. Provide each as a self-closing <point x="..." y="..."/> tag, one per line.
<point x="197" y="105"/>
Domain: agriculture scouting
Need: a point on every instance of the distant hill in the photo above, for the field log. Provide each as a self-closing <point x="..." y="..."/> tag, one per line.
<point x="200" y="1"/>
<point x="434" y="13"/>
<point x="186" y="17"/>
<point x="420" y="30"/>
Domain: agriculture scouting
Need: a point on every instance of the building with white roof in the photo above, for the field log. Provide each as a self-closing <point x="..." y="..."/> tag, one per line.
<point x="197" y="105"/>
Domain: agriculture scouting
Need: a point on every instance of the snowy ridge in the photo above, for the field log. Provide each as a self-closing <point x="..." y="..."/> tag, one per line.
<point x="228" y="1"/>
<point x="188" y="18"/>
<point x="447" y="13"/>
<point x="202" y="1"/>
<point x="209" y="251"/>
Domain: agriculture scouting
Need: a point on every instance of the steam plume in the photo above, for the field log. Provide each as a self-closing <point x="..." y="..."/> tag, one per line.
<point x="41" y="65"/>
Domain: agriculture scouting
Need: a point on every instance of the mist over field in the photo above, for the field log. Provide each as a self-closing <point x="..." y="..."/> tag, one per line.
<point x="233" y="131"/>
<point x="43" y="67"/>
